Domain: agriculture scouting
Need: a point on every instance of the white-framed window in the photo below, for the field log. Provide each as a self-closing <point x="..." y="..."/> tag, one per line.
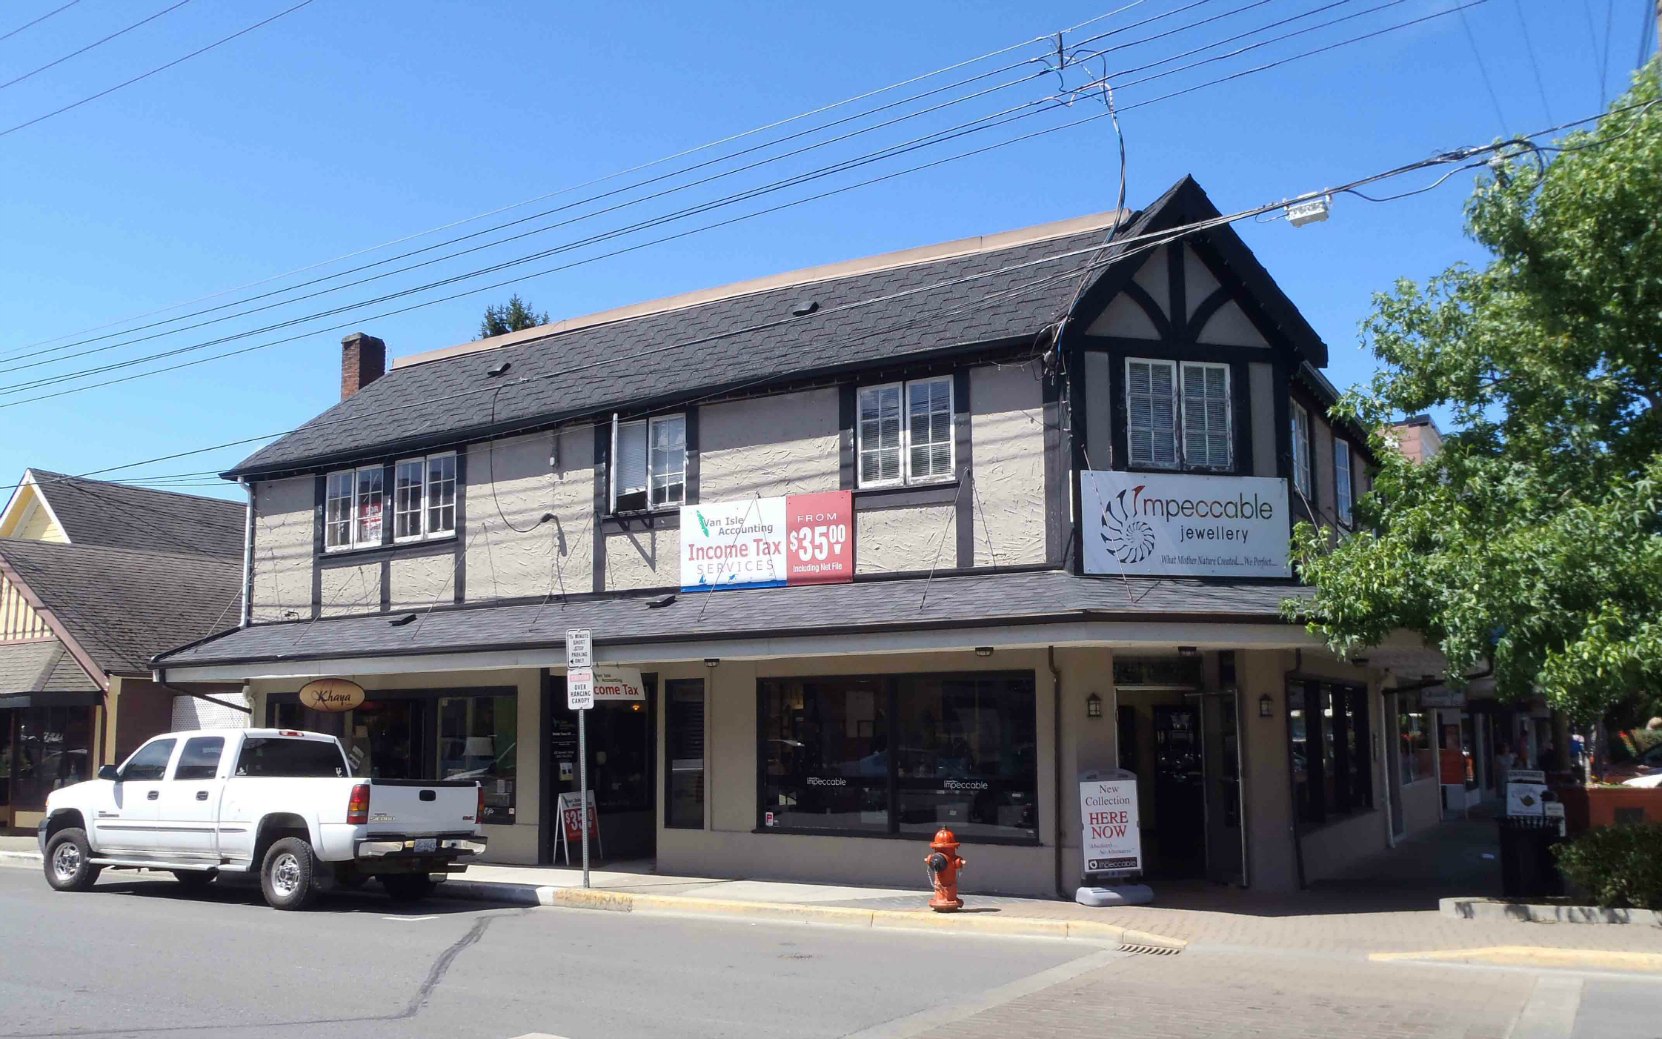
<point x="1343" y="491"/>
<point x="1178" y="414"/>
<point x="423" y="503"/>
<point x="1300" y="420"/>
<point x="904" y="432"/>
<point x="649" y="464"/>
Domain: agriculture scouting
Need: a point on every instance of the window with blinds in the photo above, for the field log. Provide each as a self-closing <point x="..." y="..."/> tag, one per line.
<point x="905" y="432"/>
<point x="1301" y="448"/>
<point x="1343" y="491"/>
<point x="1178" y="415"/>
<point x="649" y="464"/>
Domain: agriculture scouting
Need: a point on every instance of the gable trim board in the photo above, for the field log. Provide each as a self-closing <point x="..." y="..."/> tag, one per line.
<point x="26" y="495"/>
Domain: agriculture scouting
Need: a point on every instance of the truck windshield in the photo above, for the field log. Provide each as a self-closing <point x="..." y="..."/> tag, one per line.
<point x="289" y="758"/>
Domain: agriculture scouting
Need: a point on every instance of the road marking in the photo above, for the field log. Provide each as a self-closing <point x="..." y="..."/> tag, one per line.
<point x="539" y="1035"/>
<point x="950" y="1013"/>
<point x="409" y="919"/>
<point x="1550" y="1012"/>
<point x="1534" y="956"/>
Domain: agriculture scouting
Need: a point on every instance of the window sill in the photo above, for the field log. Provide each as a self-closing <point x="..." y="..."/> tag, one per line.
<point x="901" y="495"/>
<point x="663" y="518"/>
<point x="426" y="546"/>
<point x="793" y="831"/>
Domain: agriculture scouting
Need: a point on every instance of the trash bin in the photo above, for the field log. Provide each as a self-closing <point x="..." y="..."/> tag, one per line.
<point x="1527" y="866"/>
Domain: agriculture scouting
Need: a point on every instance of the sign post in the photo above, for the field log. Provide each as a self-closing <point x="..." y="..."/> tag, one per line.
<point x="579" y="698"/>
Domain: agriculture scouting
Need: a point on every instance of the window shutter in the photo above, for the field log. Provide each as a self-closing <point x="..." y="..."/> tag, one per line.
<point x="1206" y="435"/>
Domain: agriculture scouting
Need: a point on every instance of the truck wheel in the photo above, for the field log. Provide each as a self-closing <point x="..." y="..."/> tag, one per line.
<point x="407" y="887"/>
<point x="287" y="875"/>
<point x="69" y="861"/>
<point x="193" y="880"/>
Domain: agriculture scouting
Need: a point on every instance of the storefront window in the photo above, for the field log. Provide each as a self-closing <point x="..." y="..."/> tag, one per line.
<point x="1328" y="746"/>
<point x="478" y="739"/>
<point x="902" y="754"/>
<point x="54" y="749"/>
<point x="1415" y="760"/>
<point x="684" y="730"/>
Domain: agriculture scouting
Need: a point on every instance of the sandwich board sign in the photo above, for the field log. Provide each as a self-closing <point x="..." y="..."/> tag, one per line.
<point x="571" y="821"/>
<point x="1109" y="836"/>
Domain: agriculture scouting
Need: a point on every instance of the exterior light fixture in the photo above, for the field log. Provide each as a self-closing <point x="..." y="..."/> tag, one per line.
<point x="1093" y="706"/>
<point x="983" y="651"/>
<point x="1265" y="706"/>
<point x="711" y="661"/>
<point x="1309" y="210"/>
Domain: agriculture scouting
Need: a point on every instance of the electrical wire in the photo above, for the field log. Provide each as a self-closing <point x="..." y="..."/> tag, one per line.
<point x="146" y="75"/>
<point x="1483" y="70"/>
<point x="1534" y="62"/>
<point x="37" y="21"/>
<point x="90" y="46"/>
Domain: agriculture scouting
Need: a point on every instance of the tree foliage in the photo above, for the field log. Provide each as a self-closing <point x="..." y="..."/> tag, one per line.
<point x="510" y="317"/>
<point x="1532" y="542"/>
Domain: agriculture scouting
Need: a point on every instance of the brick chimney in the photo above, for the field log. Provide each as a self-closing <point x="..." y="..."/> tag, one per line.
<point x="363" y="359"/>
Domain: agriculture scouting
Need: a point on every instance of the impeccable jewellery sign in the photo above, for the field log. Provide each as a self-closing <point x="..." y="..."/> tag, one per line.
<point x="1170" y="525"/>
<point x="768" y="542"/>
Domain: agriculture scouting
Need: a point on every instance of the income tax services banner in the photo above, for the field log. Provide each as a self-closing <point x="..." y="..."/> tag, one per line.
<point x="1171" y="525"/>
<point x="768" y="542"/>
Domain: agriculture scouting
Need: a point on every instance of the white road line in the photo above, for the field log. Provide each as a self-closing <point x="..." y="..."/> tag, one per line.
<point x="409" y="919"/>
<point x="1550" y="1012"/>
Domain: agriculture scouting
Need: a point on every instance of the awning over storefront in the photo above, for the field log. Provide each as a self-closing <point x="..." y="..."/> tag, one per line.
<point x="1032" y="607"/>
<point x="43" y="674"/>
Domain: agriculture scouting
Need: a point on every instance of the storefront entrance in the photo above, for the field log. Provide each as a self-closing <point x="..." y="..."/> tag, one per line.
<point x="42" y="748"/>
<point x="622" y="766"/>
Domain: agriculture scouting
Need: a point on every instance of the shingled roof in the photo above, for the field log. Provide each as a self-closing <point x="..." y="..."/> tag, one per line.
<point x="957" y="602"/>
<point x="122" y="606"/>
<point x="115" y="515"/>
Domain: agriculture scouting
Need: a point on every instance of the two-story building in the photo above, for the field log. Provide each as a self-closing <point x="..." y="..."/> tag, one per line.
<point x="866" y="550"/>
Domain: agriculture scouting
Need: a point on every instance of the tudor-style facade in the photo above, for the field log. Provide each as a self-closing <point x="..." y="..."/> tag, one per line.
<point x="434" y="536"/>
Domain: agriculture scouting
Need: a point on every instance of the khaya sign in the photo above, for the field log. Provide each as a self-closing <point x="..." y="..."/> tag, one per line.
<point x="768" y="542"/>
<point x="331" y="695"/>
<point x="1198" y="526"/>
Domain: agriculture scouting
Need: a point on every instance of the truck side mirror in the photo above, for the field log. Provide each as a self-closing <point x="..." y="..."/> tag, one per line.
<point x="109" y="772"/>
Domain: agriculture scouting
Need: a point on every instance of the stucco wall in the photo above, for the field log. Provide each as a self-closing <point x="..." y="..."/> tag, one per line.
<point x="1266" y="779"/>
<point x="1198" y="282"/>
<point x="1230" y="327"/>
<point x="906" y="539"/>
<point x="510" y="554"/>
<point x="283" y="518"/>
<point x="769" y="446"/>
<point x="642" y="558"/>
<point x="1099" y="431"/>
<point x="1261" y="386"/>
<point x="418" y="582"/>
<point x="1321" y="462"/>
<point x="1123" y="317"/>
<point x="351" y="589"/>
<point x="1007" y="437"/>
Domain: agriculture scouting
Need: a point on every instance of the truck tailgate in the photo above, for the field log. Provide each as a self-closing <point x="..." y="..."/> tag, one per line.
<point x="413" y="807"/>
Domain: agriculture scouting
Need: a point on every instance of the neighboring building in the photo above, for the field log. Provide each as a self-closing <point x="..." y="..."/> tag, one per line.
<point x="95" y="579"/>
<point x="1012" y="561"/>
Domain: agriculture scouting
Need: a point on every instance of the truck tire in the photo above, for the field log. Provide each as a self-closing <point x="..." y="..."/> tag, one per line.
<point x="407" y="887"/>
<point x="69" y="861"/>
<point x="194" y="880"/>
<point x="288" y="874"/>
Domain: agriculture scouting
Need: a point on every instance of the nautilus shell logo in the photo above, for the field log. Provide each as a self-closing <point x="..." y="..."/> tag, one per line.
<point x="1128" y="536"/>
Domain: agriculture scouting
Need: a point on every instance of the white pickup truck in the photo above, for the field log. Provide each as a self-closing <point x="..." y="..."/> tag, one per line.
<point x="277" y="802"/>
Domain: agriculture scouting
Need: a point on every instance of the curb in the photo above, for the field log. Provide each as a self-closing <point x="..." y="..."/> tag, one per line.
<point x="843" y="916"/>
<point x="20" y="858"/>
<point x="1494" y="909"/>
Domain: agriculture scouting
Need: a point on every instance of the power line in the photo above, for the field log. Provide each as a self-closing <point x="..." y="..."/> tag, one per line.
<point x="1534" y="62"/>
<point x="146" y="75"/>
<point x="1593" y="49"/>
<point x="42" y="18"/>
<point x="1482" y="69"/>
<point x="94" y="43"/>
<point x="937" y="137"/>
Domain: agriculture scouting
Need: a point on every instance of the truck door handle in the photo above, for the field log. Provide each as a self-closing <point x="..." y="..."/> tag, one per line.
<point x="201" y="795"/>
<point x="152" y="795"/>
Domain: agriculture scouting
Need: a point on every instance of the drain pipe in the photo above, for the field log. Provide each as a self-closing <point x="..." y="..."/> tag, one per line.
<point x="1056" y="756"/>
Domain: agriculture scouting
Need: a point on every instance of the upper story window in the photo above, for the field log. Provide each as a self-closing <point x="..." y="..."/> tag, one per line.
<point x="650" y="464"/>
<point x="1178" y="415"/>
<point x="905" y="432"/>
<point x="1343" y="494"/>
<point x="423" y="503"/>
<point x="1301" y="448"/>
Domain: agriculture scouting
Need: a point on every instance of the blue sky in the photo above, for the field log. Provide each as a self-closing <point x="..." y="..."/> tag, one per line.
<point x="343" y="125"/>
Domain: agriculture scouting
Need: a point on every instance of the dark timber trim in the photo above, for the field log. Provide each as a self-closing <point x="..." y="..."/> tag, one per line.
<point x="1179" y="291"/>
<point x="964" y="459"/>
<point x="689" y="476"/>
<point x="320" y="492"/>
<point x="458" y="574"/>
<point x="1055" y="446"/>
<point x="602" y="464"/>
<point x="847" y="415"/>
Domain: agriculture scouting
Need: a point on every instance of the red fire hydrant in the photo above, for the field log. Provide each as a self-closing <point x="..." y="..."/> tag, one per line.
<point x="943" y="865"/>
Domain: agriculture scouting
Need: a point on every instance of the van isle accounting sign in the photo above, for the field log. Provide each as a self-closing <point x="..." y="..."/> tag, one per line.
<point x="1198" y="526"/>
<point x="768" y="542"/>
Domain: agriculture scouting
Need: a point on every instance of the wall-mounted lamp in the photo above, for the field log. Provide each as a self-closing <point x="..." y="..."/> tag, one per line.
<point x="1265" y="706"/>
<point x="1187" y="651"/>
<point x="711" y="661"/>
<point x="1093" y="706"/>
<point x="983" y="651"/>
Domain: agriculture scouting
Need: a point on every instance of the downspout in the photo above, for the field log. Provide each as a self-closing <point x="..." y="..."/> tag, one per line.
<point x="246" y="614"/>
<point x="1056" y="756"/>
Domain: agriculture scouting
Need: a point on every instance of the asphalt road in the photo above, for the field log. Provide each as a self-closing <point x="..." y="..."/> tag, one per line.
<point x="141" y="958"/>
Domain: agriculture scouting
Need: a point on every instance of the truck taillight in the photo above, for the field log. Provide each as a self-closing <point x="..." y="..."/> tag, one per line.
<point x="479" y="812"/>
<point x="357" y="806"/>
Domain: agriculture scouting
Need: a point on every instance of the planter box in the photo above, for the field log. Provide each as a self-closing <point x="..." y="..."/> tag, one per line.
<point x="1590" y="808"/>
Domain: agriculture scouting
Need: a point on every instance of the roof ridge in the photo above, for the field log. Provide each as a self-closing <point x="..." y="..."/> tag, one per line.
<point x="71" y="478"/>
<point x="811" y="275"/>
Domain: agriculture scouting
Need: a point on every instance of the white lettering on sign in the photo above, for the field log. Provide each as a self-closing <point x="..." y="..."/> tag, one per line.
<point x="768" y="542"/>
<point x="1204" y="526"/>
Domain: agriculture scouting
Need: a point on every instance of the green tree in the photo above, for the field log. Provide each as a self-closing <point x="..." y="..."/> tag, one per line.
<point x="1532" y="543"/>
<point x="510" y="317"/>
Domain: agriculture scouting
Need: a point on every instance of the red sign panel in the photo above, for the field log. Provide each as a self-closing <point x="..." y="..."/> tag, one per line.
<point x="819" y="545"/>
